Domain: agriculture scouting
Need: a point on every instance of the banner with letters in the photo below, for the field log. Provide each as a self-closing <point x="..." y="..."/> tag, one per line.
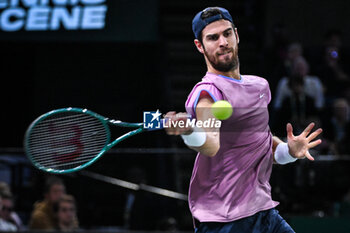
<point x="79" y="20"/>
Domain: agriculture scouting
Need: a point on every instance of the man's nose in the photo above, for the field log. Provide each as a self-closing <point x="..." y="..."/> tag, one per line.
<point x="223" y="41"/>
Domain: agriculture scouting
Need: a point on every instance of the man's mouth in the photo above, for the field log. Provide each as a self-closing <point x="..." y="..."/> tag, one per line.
<point x="224" y="53"/>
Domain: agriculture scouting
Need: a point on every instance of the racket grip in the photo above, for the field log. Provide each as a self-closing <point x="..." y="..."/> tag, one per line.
<point x="158" y="127"/>
<point x="161" y="124"/>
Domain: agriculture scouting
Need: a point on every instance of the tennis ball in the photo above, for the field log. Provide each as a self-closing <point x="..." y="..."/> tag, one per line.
<point x="221" y="109"/>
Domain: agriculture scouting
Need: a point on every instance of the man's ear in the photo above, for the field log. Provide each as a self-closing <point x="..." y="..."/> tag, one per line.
<point x="199" y="46"/>
<point x="237" y="37"/>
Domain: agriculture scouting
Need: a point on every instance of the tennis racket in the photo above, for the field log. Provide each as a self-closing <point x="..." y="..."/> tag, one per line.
<point x="70" y="139"/>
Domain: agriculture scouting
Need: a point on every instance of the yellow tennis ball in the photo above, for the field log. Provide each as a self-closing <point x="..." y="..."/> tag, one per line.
<point x="222" y="109"/>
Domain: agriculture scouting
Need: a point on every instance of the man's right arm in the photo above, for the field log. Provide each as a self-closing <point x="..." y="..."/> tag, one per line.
<point x="212" y="143"/>
<point x="212" y="135"/>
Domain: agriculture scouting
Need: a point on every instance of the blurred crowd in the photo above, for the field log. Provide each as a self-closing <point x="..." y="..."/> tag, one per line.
<point x="310" y="84"/>
<point x="56" y="212"/>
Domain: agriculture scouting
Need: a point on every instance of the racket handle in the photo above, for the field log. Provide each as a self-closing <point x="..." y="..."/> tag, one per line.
<point x="161" y="125"/>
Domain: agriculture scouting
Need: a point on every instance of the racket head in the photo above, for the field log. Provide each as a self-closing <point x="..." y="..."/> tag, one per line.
<point x="66" y="140"/>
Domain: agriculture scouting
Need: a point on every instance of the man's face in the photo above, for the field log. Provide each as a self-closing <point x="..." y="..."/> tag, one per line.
<point x="66" y="212"/>
<point x="220" y="45"/>
<point x="56" y="192"/>
<point x="7" y="207"/>
<point x="301" y="68"/>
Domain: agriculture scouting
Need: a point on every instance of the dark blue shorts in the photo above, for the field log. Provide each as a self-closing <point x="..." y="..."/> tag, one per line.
<point x="267" y="221"/>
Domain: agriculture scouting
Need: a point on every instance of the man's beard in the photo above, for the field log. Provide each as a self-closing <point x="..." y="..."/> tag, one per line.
<point x="224" y="66"/>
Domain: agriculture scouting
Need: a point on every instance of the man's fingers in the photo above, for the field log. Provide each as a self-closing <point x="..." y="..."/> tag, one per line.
<point x="314" y="134"/>
<point x="175" y="123"/>
<point x="168" y="114"/>
<point x="289" y="131"/>
<point x="182" y="115"/>
<point x="176" y="116"/>
<point x="315" y="143"/>
<point x="308" y="129"/>
<point x="309" y="156"/>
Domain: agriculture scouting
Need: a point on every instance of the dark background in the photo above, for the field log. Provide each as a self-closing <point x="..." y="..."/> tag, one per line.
<point x="145" y="60"/>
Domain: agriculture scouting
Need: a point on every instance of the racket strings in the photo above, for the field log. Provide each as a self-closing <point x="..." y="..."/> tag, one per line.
<point x="66" y="122"/>
<point x="66" y="140"/>
<point x="57" y="137"/>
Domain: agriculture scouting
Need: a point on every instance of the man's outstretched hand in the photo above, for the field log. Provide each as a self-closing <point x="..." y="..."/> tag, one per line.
<point x="299" y="145"/>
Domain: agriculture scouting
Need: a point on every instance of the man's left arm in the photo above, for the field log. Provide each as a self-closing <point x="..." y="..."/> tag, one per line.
<point x="297" y="147"/>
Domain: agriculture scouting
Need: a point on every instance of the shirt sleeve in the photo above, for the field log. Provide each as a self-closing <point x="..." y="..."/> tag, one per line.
<point x="198" y="92"/>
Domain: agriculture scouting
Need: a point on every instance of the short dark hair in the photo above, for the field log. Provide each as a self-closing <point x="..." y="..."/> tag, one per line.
<point x="6" y="195"/>
<point x="209" y="12"/>
<point x="4" y="188"/>
<point x="51" y="181"/>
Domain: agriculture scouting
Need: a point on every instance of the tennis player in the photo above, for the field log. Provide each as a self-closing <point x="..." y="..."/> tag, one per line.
<point x="229" y="189"/>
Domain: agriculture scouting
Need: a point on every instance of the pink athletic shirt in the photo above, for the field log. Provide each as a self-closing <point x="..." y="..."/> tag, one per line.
<point x="235" y="182"/>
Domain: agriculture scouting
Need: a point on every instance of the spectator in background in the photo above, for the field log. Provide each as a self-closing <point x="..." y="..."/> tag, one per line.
<point x="4" y="187"/>
<point x="332" y="74"/>
<point x="295" y="50"/>
<point x="333" y="37"/>
<point x="7" y="211"/>
<point x="297" y="108"/>
<point x="299" y="98"/>
<point x="337" y="127"/>
<point x="330" y="64"/>
<point x="66" y="214"/>
<point x="5" y="225"/>
<point x="285" y="68"/>
<point x="43" y="217"/>
<point x="312" y="86"/>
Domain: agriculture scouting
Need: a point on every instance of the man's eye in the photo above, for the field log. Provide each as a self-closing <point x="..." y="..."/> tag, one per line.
<point x="226" y="34"/>
<point x="213" y="37"/>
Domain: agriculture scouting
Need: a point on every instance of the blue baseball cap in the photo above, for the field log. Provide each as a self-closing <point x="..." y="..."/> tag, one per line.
<point x="198" y="24"/>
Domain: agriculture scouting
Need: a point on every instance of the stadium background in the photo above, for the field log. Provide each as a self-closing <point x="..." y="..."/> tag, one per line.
<point x="144" y="59"/>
